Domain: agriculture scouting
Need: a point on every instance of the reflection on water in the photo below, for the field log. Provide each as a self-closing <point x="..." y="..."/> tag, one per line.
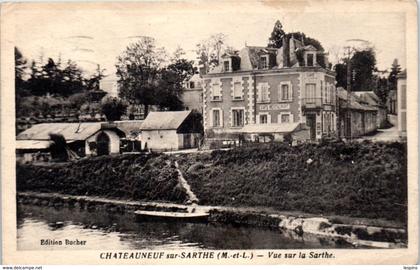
<point x="102" y="230"/>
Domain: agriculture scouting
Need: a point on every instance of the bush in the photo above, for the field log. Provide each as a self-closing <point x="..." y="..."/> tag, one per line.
<point x="126" y="176"/>
<point x="113" y="108"/>
<point x="355" y="179"/>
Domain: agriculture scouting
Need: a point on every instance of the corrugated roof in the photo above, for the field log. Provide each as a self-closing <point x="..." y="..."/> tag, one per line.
<point x="369" y="97"/>
<point x="164" y="120"/>
<point x="354" y="100"/>
<point x="70" y="131"/>
<point x="129" y="126"/>
<point x="269" y="128"/>
<point x="30" y="144"/>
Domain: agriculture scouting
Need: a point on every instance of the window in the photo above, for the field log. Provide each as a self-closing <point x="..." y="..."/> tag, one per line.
<point x="216" y="118"/>
<point x="310" y="59"/>
<point x="310" y="92"/>
<point x="285" y="93"/>
<point x="237" y="90"/>
<point x="264" y="62"/>
<point x="263" y="93"/>
<point x="192" y="85"/>
<point x="226" y="65"/>
<point x="285" y="118"/>
<point x="237" y="117"/>
<point x="325" y="122"/>
<point x="263" y="119"/>
<point x="217" y="91"/>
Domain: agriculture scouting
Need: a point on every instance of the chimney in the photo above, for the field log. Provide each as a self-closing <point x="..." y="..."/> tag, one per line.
<point x="292" y="54"/>
<point x="279" y="57"/>
<point x="285" y="51"/>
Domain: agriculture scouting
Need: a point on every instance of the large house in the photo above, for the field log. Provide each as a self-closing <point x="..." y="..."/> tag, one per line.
<point x="264" y="87"/>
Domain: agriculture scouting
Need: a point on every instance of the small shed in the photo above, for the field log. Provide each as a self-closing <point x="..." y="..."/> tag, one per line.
<point x="84" y="139"/>
<point x="371" y="99"/>
<point x="171" y="130"/>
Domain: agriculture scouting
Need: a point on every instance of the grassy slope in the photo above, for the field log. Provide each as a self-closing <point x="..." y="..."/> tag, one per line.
<point x="126" y="176"/>
<point x="362" y="180"/>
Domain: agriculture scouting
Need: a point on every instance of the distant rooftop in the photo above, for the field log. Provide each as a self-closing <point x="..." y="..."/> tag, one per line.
<point x="164" y="120"/>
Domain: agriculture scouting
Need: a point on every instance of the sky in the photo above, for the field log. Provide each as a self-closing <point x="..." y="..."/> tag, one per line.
<point x="93" y="36"/>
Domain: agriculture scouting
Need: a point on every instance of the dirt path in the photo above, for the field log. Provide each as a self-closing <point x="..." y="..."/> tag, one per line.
<point x="192" y="197"/>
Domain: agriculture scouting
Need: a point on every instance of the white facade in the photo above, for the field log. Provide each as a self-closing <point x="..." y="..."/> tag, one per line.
<point x="113" y="146"/>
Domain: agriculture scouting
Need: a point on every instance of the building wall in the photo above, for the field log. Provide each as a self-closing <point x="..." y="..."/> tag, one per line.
<point x="363" y="122"/>
<point x="392" y="102"/>
<point x="325" y="95"/>
<point x="402" y="106"/>
<point x="381" y="117"/>
<point x="193" y="99"/>
<point x="114" y="143"/>
<point x="160" y="139"/>
<point x="188" y="140"/>
<point x="273" y="107"/>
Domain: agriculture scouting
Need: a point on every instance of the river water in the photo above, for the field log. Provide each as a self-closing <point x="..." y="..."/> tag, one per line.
<point x="106" y="231"/>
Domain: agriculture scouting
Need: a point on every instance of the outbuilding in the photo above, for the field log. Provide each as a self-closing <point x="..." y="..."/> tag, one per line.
<point x="171" y="130"/>
<point x="83" y="139"/>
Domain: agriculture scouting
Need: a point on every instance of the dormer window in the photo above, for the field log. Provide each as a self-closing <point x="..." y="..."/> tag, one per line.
<point x="264" y="62"/>
<point x="192" y="85"/>
<point x="310" y="59"/>
<point x="226" y="65"/>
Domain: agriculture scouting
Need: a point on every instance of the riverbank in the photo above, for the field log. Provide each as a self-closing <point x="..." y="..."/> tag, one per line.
<point x="357" y="179"/>
<point x="149" y="177"/>
<point x="357" y="232"/>
<point x="351" y="181"/>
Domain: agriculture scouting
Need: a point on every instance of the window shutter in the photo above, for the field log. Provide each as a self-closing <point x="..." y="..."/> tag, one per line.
<point x="221" y="118"/>
<point x="291" y="118"/>
<point x="268" y="118"/>
<point x="290" y="91"/>
<point x="267" y="91"/>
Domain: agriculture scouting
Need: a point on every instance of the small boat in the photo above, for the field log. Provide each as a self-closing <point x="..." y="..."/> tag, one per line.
<point x="171" y="216"/>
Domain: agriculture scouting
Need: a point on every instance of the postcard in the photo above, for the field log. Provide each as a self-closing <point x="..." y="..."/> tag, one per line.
<point x="209" y="132"/>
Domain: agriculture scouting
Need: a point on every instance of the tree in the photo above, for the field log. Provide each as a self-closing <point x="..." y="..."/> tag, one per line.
<point x="395" y="70"/>
<point x="210" y="50"/>
<point x="171" y="84"/>
<point x="52" y="78"/>
<point x="93" y="82"/>
<point x="113" y="108"/>
<point x="20" y="66"/>
<point x="58" y="147"/>
<point x="179" y="53"/>
<point x="138" y="71"/>
<point x="305" y="39"/>
<point x="363" y="66"/>
<point x="276" y="38"/>
<point x="382" y="89"/>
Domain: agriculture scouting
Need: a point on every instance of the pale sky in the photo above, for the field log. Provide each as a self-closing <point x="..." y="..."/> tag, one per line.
<point x="90" y="36"/>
